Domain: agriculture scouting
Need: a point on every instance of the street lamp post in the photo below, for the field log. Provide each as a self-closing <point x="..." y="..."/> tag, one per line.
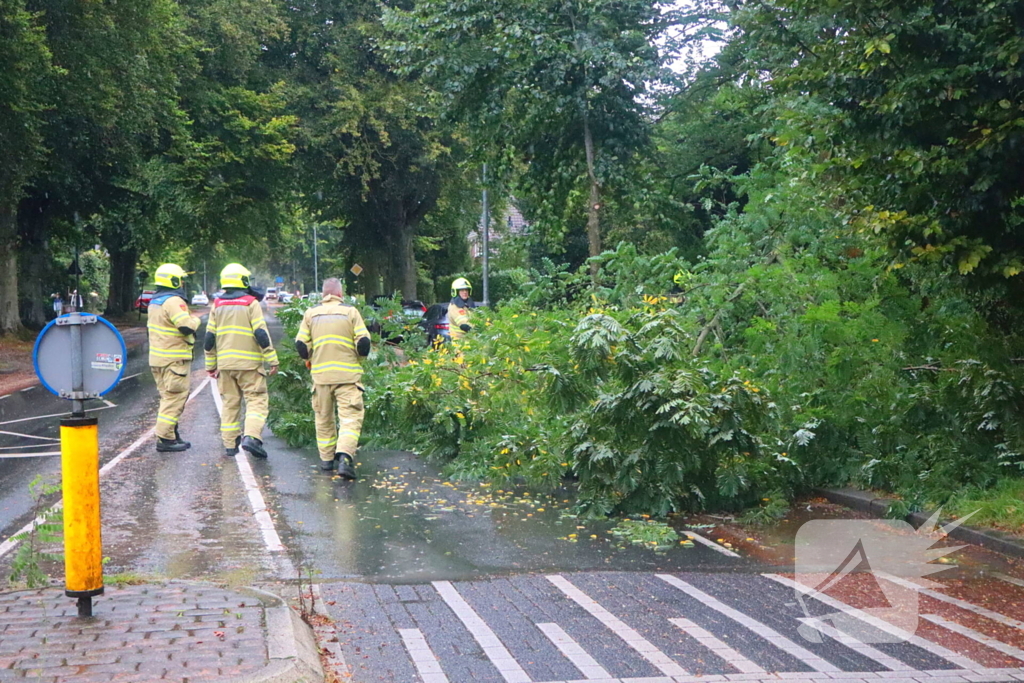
<point x="487" y="242"/>
<point x="316" y="260"/>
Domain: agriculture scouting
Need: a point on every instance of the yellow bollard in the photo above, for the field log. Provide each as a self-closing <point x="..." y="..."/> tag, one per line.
<point x="83" y="547"/>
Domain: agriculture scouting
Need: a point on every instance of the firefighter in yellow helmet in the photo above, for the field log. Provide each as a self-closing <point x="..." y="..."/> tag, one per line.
<point x="459" y="308"/>
<point x="332" y="339"/>
<point x="172" y="332"/>
<point x="238" y="349"/>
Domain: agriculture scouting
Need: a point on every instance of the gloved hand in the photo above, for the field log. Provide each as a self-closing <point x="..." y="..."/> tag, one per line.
<point x="465" y="328"/>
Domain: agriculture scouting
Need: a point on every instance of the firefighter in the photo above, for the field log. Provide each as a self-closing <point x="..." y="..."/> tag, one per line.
<point x="238" y="348"/>
<point x="172" y="332"/>
<point x="332" y="339"/>
<point x="459" y="308"/>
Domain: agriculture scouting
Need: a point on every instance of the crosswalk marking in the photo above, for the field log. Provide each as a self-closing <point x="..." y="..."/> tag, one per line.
<point x="1009" y="579"/>
<point x="492" y="647"/>
<point x="422" y="656"/>
<point x="644" y="647"/>
<point x="880" y="624"/>
<point x="962" y="604"/>
<point x="975" y="636"/>
<point x="771" y="635"/>
<point x="858" y="646"/>
<point x="708" y="640"/>
<point x="711" y="544"/>
<point x="587" y="665"/>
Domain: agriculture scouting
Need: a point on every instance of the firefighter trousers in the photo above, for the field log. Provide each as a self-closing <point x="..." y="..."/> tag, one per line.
<point x="347" y="401"/>
<point x="234" y="386"/>
<point x="172" y="382"/>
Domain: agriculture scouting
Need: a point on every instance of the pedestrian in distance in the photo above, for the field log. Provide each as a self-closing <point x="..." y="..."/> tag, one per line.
<point x="58" y="304"/>
<point x="172" y="330"/>
<point x="332" y="340"/>
<point x="238" y="352"/>
<point x="459" y="309"/>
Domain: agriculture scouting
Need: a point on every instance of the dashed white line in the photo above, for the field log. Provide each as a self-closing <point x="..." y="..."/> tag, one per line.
<point x="43" y="417"/>
<point x="4" y="396"/>
<point x="29" y="388"/>
<point x="771" y="635"/>
<point x="962" y="604"/>
<point x="252" y="490"/>
<point x="708" y="640"/>
<point x="29" y="436"/>
<point x="711" y="544"/>
<point x="4" y="456"/>
<point x="422" y="656"/>
<point x="976" y="636"/>
<point x="644" y="647"/>
<point x="500" y="657"/>
<point x="880" y="624"/>
<point x="565" y="643"/>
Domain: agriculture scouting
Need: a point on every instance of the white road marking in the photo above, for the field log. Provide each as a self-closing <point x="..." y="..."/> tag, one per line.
<point x="422" y="656"/>
<point x="880" y="624"/>
<point x="29" y="388"/>
<point x="43" y="417"/>
<point x="771" y="635"/>
<point x="132" y="376"/>
<point x="962" y="604"/>
<point x="28" y="436"/>
<point x="4" y="456"/>
<point x="708" y="640"/>
<point x="975" y="635"/>
<point x="11" y="543"/>
<point x="4" y="396"/>
<point x="857" y="645"/>
<point x="711" y="544"/>
<point x="252" y="490"/>
<point x="48" y="444"/>
<point x="644" y="647"/>
<point x="587" y="665"/>
<point x="500" y="657"/>
<point x="1009" y="579"/>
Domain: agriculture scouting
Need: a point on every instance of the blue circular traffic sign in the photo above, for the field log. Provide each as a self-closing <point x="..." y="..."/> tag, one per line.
<point x="104" y="356"/>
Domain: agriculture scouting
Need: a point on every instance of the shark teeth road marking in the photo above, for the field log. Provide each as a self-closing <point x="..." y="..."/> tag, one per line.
<point x="422" y="656"/>
<point x="587" y="665"/>
<point x="708" y="640"/>
<point x="976" y="636"/>
<point x="962" y="604"/>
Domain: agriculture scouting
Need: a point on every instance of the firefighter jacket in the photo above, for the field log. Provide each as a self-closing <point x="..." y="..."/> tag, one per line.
<point x="334" y="330"/>
<point x="171" y="329"/>
<point x="236" y="334"/>
<point x="458" y="315"/>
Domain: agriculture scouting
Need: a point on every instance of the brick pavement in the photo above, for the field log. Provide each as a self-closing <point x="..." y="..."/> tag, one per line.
<point x="174" y="631"/>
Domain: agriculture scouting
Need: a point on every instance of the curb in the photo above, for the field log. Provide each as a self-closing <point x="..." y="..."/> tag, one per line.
<point x="879" y="507"/>
<point x="291" y="649"/>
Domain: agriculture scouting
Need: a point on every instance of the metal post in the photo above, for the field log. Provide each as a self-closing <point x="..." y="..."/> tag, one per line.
<point x="205" y="290"/>
<point x="487" y="242"/>
<point x="77" y="371"/>
<point x="316" y="261"/>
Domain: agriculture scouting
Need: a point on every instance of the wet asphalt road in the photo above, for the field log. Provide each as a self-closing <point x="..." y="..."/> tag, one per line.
<point x="433" y="581"/>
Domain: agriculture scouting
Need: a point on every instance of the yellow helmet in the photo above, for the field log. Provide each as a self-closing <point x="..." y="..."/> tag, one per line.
<point x="235" y="275"/>
<point x="169" y="275"/>
<point x="460" y="283"/>
<point x="681" y="278"/>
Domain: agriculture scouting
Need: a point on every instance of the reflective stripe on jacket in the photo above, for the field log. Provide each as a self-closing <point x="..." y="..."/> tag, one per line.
<point x="233" y="323"/>
<point x="331" y="331"/>
<point x="167" y="344"/>
<point x="457" y="316"/>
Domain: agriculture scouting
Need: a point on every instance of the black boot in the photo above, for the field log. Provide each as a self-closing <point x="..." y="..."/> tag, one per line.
<point x="169" y="446"/>
<point x="178" y="439"/>
<point x="254" y="446"/>
<point x="346" y="468"/>
<point x="232" y="452"/>
<point x="327" y="466"/>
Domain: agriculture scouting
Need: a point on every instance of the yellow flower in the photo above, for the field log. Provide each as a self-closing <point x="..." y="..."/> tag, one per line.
<point x="874" y="340"/>
<point x="460" y="416"/>
<point x="427" y="361"/>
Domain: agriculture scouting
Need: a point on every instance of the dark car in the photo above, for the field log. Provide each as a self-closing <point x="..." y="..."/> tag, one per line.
<point x="411" y="314"/>
<point x="435" y="322"/>
<point x="142" y="303"/>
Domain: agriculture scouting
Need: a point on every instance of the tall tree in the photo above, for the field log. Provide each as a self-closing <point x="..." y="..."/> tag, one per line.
<point x="25" y="65"/>
<point x="562" y="84"/>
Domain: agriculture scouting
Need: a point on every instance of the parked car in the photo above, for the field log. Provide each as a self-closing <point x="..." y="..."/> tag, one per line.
<point x="435" y="323"/>
<point x="411" y="315"/>
<point x="285" y="297"/>
<point x="200" y="299"/>
<point x="218" y="294"/>
<point x="142" y="303"/>
<point x="271" y="294"/>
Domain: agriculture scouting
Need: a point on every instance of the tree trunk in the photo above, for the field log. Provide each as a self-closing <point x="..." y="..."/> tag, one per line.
<point x="122" y="280"/>
<point x="36" y="282"/>
<point x="370" y="279"/>
<point x="593" y="217"/>
<point x="10" y="321"/>
<point x="408" y="273"/>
